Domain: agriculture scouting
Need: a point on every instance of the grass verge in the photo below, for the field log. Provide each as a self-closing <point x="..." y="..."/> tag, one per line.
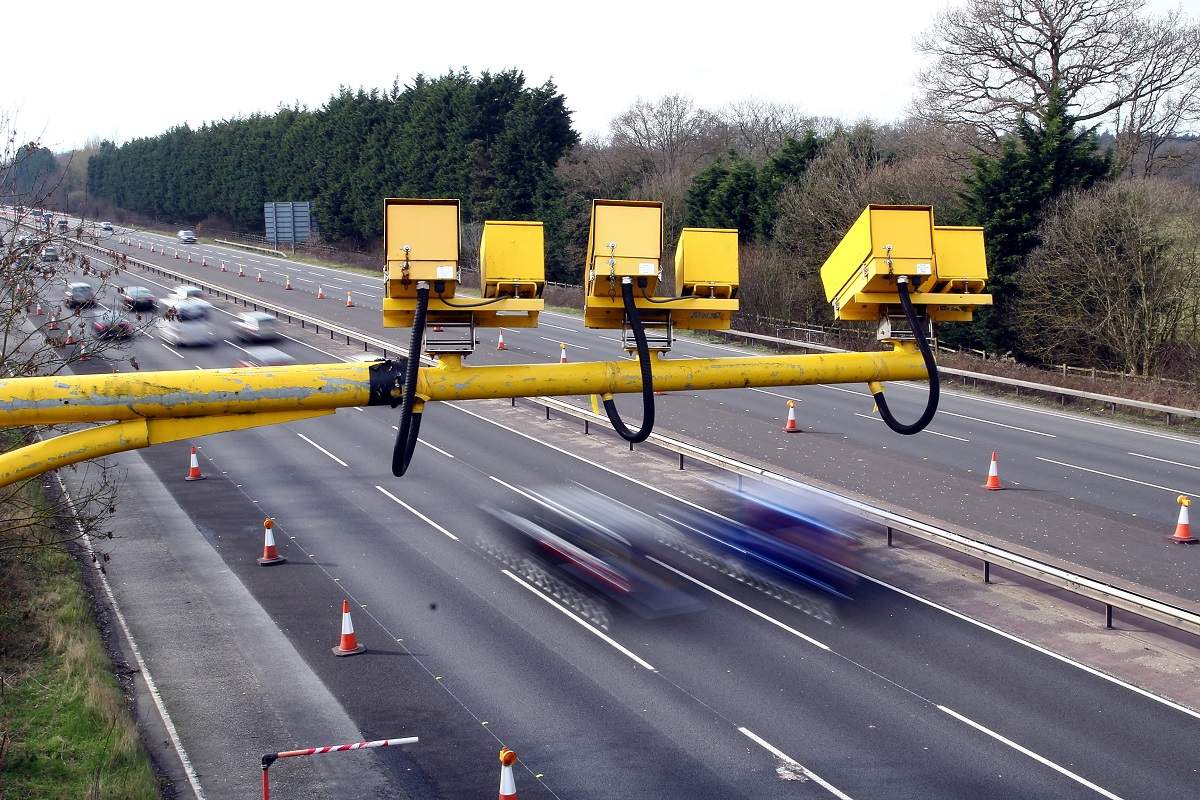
<point x="65" y="727"/>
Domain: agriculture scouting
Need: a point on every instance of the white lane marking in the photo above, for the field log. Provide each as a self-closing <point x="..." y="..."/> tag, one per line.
<point x="418" y="514"/>
<point x="143" y="668"/>
<point x="1026" y="751"/>
<point x="1118" y="477"/>
<point x="844" y="389"/>
<point x="560" y="328"/>
<point x="569" y="346"/>
<point x="369" y="285"/>
<point x="998" y="424"/>
<point x="775" y="394"/>
<point x="306" y="280"/>
<point x="254" y="260"/>
<point x="177" y="353"/>
<point x="197" y="366"/>
<point x="435" y="447"/>
<point x="935" y="433"/>
<point x="333" y="278"/>
<point x="238" y="346"/>
<point x="915" y="597"/>
<point x="322" y="449"/>
<point x="601" y="634"/>
<point x="741" y="605"/>
<point x="782" y="756"/>
<point x="1165" y="461"/>
<point x="281" y="274"/>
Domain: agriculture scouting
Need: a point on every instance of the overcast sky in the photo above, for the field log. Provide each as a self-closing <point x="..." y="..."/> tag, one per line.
<point x="117" y="70"/>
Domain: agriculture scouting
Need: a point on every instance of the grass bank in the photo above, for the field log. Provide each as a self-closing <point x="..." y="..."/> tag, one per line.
<point x="65" y="727"/>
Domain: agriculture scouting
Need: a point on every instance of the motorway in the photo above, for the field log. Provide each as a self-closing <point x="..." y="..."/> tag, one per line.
<point x="1092" y="494"/>
<point x="749" y="698"/>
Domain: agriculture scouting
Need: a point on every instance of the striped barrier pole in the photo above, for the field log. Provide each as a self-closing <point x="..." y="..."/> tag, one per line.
<point x="270" y="758"/>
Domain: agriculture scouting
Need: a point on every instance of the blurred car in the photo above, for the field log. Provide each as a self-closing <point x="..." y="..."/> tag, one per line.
<point x="79" y="295"/>
<point x="106" y="226"/>
<point x="186" y="323"/>
<point x="50" y="253"/>
<point x="263" y="356"/>
<point x="37" y="212"/>
<point x="596" y="544"/>
<point x="255" y="326"/>
<point x="782" y="537"/>
<point x="137" y="298"/>
<point x="186" y="292"/>
<point x="187" y="237"/>
<point x="111" y="324"/>
<point x="62" y="223"/>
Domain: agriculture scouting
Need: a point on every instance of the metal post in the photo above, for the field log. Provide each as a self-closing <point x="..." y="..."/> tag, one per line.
<point x="889" y="532"/>
<point x="681" y="460"/>
<point x="547" y="413"/>
<point x="514" y="401"/>
<point x="631" y="447"/>
<point x="987" y="572"/>
<point x="1108" y="615"/>
<point x="585" y="427"/>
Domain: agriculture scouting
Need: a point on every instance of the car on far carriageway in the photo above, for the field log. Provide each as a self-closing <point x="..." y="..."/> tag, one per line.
<point x="187" y="237"/>
<point x="111" y="324"/>
<point x="106" y="226"/>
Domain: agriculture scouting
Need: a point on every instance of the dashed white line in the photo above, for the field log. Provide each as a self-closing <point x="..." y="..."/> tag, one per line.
<point x="1026" y="751"/>
<point x="322" y="449"/>
<point x="569" y="346"/>
<point x="1117" y="477"/>
<point x="173" y="350"/>
<point x="741" y="605"/>
<point x="998" y="424"/>
<point x="418" y="514"/>
<point x="776" y="394"/>
<point x="558" y="327"/>
<point x="844" y="389"/>
<point x="601" y="634"/>
<point x="935" y="433"/>
<point x="306" y="280"/>
<point x="1165" y="461"/>
<point x="435" y="447"/>
<point x="782" y="756"/>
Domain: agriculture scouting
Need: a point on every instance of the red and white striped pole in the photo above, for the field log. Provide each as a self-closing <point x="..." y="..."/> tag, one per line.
<point x="270" y="758"/>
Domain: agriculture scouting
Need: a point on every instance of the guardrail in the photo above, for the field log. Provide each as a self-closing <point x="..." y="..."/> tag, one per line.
<point x="279" y="253"/>
<point x="1061" y="391"/>
<point x="988" y="554"/>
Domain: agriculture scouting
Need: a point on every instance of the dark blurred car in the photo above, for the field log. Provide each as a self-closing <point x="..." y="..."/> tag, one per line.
<point x="786" y="537"/>
<point x="264" y="357"/>
<point x="62" y="223"/>
<point x="49" y="253"/>
<point x="598" y="545"/>
<point x="255" y="326"/>
<point x="137" y="298"/>
<point x="111" y="324"/>
<point x="79" y="295"/>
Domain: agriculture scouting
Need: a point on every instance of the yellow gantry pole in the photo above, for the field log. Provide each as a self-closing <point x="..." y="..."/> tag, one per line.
<point x="152" y="407"/>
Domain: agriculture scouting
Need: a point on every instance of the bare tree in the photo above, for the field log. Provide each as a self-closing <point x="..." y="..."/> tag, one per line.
<point x="995" y="62"/>
<point x="1116" y="276"/>
<point x="668" y="134"/>
<point x="758" y="128"/>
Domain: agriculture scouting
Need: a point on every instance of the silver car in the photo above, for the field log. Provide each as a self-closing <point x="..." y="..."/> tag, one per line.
<point x="187" y="237"/>
<point x="255" y="326"/>
<point x="187" y="324"/>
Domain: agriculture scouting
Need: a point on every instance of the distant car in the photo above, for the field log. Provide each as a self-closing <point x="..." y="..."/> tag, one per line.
<point x="111" y="324"/>
<point x="187" y="237"/>
<point x="37" y="212"/>
<point x="23" y="241"/>
<point x="264" y="357"/>
<point x="106" y="226"/>
<point x="256" y="326"/>
<point x="62" y="223"/>
<point x="186" y="323"/>
<point x="137" y="298"/>
<point x="49" y="253"/>
<point x="79" y="295"/>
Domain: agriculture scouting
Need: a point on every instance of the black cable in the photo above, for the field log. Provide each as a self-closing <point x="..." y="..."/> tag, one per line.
<point x="661" y="300"/>
<point x="643" y="350"/>
<point x="473" y="305"/>
<point x="410" y="422"/>
<point x="930" y="366"/>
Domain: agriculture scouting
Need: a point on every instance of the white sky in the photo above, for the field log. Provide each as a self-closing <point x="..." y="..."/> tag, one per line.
<point x="118" y="70"/>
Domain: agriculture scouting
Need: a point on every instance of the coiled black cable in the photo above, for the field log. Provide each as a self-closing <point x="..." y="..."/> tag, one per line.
<point x="410" y="422"/>
<point x="643" y="351"/>
<point x="935" y="389"/>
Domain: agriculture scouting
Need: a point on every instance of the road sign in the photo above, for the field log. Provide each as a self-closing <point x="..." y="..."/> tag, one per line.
<point x="288" y="223"/>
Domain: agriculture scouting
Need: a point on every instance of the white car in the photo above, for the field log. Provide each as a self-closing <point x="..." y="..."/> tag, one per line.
<point x="256" y="326"/>
<point x="185" y="293"/>
<point x="187" y="324"/>
<point x="187" y="237"/>
<point x="106" y="226"/>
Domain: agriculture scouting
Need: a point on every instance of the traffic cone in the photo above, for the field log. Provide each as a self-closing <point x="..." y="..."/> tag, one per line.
<point x="993" y="479"/>
<point x="193" y="473"/>
<point x="562" y="352"/>
<point x="70" y="338"/>
<point x="223" y="269"/>
<point x="176" y="252"/>
<point x="348" y="645"/>
<point x="500" y="345"/>
<point x="241" y="272"/>
<point x="53" y="326"/>
<point x="791" y="426"/>
<point x="189" y="258"/>
<point x="1183" y="529"/>
<point x="320" y="292"/>
<point x="260" y="280"/>
<point x="40" y="312"/>
<point x="83" y="351"/>
<point x="204" y="261"/>
<point x="287" y="281"/>
<point x="270" y="555"/>
<point x="349" y="300"/>
<point x="508" y="786"/>
<point x="139" y="245"/>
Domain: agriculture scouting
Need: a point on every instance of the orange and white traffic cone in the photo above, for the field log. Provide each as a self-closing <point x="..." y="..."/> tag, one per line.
<point x="223" y="268"/>
<point x="500" y="345"/>
<point x="70" y="338"/>
<point x="791" y="426"/>
<point x="189" y="257"/>
<point x="320" y="292"/>
<point x="139" y="245"/>
<point x="270" y="555"/>
<point x="993" y="479"/>
<point x="260" y="280"/>
<point x="508" y="786"/>
<point x="193" y="473"/>
<point x="176" y="252"/>
<point x="53" y="326"/>
<point x="241" y="272"/>
<point x="204" y="261"/>
<point x="84" y="355"/>
<point x="40" y="312"/>
<point x="287" y="281"/>
<point x="348" y="645"/>
<point x="349" y="300"/>
<point x="1183" y="528"/>
<point x="562" y="352"/>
